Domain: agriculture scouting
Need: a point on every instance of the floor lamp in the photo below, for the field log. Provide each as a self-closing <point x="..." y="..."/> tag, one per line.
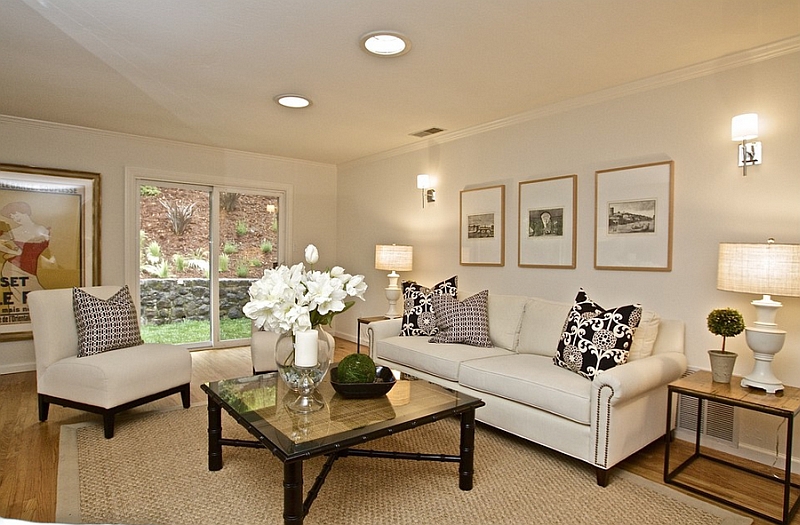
<point x="767" y="269"/>
<point x="395" y="259"/>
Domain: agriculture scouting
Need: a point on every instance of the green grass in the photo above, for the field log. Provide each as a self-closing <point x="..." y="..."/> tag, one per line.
<point x="195" y="331"/>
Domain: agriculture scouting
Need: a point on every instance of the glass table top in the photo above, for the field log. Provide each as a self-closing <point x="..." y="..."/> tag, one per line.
<point x="259" y="403"/>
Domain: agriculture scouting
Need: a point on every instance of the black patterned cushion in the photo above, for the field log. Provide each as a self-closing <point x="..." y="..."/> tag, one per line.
<point x="105" y="325"/>
<point x="595" y="339"/>
<point x="418" y="318"/>
<point x="464" y="321"/>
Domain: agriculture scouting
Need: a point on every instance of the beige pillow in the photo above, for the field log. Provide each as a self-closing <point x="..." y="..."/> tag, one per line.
<point x="644" y="337"/>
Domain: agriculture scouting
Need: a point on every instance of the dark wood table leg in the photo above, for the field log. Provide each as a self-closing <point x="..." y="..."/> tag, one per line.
<point x="293" y="512"/>
<point x="214" y="435"/>
<point x="466" y="465"/>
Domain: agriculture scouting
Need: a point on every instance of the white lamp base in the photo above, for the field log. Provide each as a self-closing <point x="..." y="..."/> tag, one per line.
<point x="765" y="343"/>
<point x="392" y="295"/>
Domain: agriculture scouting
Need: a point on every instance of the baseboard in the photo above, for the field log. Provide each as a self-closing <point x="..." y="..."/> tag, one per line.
<point x="17" y="367"/>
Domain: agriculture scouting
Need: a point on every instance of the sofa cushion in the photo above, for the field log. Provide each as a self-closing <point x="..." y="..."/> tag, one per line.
<point x="464" y="321"/>
<point x="531" y="380"/>
<point x="596" y="339"/>
<point x="505" y="316"/>
<point x="541" y="327"/>
<point x="644" y="337"/>
<point x="105" y="324"/>
<point x="418" y="316"/>
<point x="440" y="360"/>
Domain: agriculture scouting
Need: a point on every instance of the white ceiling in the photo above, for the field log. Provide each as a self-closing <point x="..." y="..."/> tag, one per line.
<point x="206" y="71"/>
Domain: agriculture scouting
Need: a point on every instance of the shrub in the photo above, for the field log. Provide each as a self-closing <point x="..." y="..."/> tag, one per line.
<point x="223" y="262"/>
<point x="180" y="215"/>
<point x="180" y="262"/>
<point x="242" y="270"/>
<point x="229" y="248"/>
<point x="149" y="191"/>
<point x="726" y="322"/>
<point x="266" y="247"/>
<point x="241" y="228"/>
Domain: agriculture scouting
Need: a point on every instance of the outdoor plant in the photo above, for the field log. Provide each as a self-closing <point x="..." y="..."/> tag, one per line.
<point x="242" y="270"/>
<point x="266" y="246"/>
<point x="229" y="201"/>
<point x="241" y="228"/>
<point x="224" y="259"/>
<point x="229" y="248"/>
<point x="180" y="262"/>
<point x="153" y="254"/>
<point x="149" y="191"/>
<point x="180" y="215"/>
<point x="725" y="322"/>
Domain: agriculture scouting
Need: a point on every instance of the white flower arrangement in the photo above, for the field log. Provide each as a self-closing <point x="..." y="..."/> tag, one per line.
<point x="295" y="299"/>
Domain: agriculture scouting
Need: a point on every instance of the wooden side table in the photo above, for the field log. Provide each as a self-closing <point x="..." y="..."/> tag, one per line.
<point x="366" y="320"/>
<point x="785" y="404"/>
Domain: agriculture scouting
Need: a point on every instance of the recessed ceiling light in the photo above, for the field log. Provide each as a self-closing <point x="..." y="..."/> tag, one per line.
<point x="385" y="43"/>
<point x="292" y="101"/>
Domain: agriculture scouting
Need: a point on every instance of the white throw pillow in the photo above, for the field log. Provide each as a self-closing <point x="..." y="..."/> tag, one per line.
<point x="644" y="337"/>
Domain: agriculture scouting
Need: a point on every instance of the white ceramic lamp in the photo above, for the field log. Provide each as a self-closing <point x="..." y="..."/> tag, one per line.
<point x="395" y="259"/>
<point x="767" y="269"/>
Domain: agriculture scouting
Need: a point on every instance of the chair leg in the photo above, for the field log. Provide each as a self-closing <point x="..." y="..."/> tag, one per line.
<point x="185" y="396"/>
<point x="44" y="408"/>
<point x="108" y="425"/>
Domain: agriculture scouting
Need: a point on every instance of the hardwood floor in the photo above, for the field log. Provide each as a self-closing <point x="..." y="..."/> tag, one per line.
<point x="29" y="449"/>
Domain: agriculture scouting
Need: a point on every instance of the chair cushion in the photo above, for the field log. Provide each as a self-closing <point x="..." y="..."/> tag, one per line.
<point x="505" y="315"/>
<point x="110" y="379"/>
<point x="596" y="339"/>
<point x="105" y="324"/>
<point x="464" y="321"/>
<point x="418" y="316"/>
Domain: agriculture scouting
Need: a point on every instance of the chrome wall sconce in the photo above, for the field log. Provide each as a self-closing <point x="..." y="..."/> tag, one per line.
<point x="743" y="128"/>
<point x="424" y="184"/>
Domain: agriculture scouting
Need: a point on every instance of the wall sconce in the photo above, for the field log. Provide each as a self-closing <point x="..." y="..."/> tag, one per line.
<point x="395" y="259"/>
<point x="743" y="128"/>
<point x="424" y="184"/>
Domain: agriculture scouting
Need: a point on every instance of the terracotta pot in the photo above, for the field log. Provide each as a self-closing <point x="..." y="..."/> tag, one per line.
<point x="722" y="365"/>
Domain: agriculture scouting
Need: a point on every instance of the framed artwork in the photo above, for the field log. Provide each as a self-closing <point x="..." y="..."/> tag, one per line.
<point x="482" y="230"/>
<point x="633" y="218"/>
<point x="547" y="222"/>
<point x="49" y="237"/>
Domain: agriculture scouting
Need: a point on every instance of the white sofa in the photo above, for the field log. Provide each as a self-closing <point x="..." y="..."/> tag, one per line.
<point x="600" y="421"/>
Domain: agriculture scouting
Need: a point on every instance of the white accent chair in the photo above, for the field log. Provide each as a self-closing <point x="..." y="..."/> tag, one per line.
<point x="106" y="383"/>
<point x="262" y="350"/>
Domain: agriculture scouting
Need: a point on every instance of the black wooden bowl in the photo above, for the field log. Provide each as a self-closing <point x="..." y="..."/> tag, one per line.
<point x="384" y="381"/>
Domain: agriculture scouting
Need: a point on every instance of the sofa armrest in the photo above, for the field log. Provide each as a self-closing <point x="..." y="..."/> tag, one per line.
<point x="638" y="377"/>
<point x="381" y="330"/>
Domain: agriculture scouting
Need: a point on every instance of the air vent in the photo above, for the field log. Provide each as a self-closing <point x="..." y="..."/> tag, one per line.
<point x="427" y="132"/>
<point x="718" y="421"/>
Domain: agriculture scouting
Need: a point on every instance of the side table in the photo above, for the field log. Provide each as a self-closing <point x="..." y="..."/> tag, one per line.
<point x="785" y="404"/>
<point x="366" y="320"/>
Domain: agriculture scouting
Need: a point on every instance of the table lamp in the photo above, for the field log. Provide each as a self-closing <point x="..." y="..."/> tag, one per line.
<point x="767" y="269"/>
<point x="395" y="259"/>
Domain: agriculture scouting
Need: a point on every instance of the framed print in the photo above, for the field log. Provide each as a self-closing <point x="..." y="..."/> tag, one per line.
<point x="49" y="237"/>
<point x="482" y="230"/>
<point x="633" y="218"/>
<point x="547" y="222"/>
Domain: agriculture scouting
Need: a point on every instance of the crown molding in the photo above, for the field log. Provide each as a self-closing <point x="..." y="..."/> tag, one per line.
<point x="47" y="125"/>
<point x="710" y="67"/>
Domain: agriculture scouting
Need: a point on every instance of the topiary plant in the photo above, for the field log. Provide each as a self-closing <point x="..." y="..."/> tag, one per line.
<point x="726" y="322"/>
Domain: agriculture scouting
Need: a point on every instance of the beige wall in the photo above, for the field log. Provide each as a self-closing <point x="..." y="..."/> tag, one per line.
<point x="55" y="146"/>
<point x="687" y="122"/>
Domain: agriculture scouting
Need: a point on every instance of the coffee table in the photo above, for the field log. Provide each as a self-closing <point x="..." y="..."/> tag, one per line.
<point x="258" y="404"/>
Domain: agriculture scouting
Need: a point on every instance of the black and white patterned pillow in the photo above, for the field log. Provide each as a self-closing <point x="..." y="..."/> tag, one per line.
<point x="105" y="325"/>
<point x="464" y="321"/>
<point x="418" y="317"/>
<point x="595" y="339"/>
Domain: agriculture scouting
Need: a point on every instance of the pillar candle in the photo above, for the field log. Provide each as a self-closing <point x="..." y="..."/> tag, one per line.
<point x="305" y="348"/>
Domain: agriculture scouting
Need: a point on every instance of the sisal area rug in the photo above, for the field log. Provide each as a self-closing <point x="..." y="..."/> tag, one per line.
<point x="154" y="471"/>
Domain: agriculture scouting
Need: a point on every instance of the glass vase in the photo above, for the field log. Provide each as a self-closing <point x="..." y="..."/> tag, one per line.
<point x="303" y="380"/>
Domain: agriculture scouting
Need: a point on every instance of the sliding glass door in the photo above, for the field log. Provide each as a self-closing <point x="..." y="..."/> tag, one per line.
<point x="200" y="248"/>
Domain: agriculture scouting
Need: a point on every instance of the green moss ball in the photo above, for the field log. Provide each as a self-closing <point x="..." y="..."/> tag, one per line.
<point x="356" y="368"/>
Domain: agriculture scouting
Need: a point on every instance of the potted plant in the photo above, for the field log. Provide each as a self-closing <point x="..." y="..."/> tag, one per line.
<point x="726" y="322"/>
